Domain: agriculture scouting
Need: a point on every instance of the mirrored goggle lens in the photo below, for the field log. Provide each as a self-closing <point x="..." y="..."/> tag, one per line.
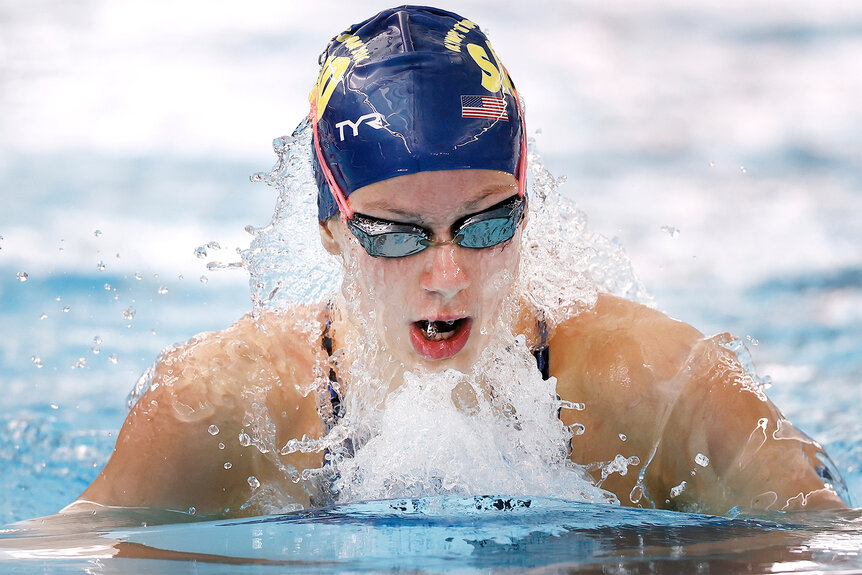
<point x="390" y="245"/>
<point x="487" y="233"/>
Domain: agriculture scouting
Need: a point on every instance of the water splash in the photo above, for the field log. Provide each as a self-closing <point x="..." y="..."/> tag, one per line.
<point x="285" y="260"/>
<point x="493" y="428"/>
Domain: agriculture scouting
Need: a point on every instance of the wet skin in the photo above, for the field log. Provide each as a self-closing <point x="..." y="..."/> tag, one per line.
<point x="442" y="283"/>
<point x="670" y="391"/>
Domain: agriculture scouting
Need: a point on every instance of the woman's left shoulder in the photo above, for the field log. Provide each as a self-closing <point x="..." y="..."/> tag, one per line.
<point x="617" y="333"/>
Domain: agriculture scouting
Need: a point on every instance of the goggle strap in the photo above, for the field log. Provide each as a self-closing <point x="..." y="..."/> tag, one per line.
<point x="522" y="156"/>
<point x="340" y="199"/>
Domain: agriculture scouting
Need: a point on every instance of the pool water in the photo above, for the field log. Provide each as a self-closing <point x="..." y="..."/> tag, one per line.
<point x="718" y="145"/>
<point x="442" y="534"/>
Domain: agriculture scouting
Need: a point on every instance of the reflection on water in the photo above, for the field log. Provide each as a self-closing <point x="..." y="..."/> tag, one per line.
<point x="475" y="534"/>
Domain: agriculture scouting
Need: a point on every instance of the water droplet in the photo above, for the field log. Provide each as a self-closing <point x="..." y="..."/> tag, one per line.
<point x="138" y="276"/>
<point x="742" y="169"/>
<point x="253" y="482"/>
<point x="97" y="340"/>
<point x="701" y="459"/>
<point x="192" y="510"/>
<point x="213" y="246"/>
<point x="623" y="437"/>
<point x="244" y="439"/>
<point x="221" y="445"/>
<point x="129" y="313"/>
<point x="113" y="358"/>
<point x="670" y="230"/>
<point x="201" y="252"/>
<point x="67" y="308"/>
<point x="204" y="279"/>
<point x="107" y="287"/>
<point x="180" y="277"/>
<point x="53" y="406"/>
<point x="163" y="290"/>
<point x="712" y="164"/>
<point x="22" y="276"/>
<point x="95" y="350"/>
<point x="677" y="490"/>
<point x="228" y="465"/>
<point x="213" y="429"/>
<point x="36" y="361"/>
<point x="153" y="331"/>
<point x="58" y="298"/>
<point x="97" y="233"/>
<point x="752" y="340"/>
<point x="43" y="316"/>
<point x="81" y="363"/>
<point x="101" y="266"/>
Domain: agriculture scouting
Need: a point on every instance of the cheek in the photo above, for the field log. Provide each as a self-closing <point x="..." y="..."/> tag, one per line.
<point x="496" y="270"/>
<point x="383" y="283"/>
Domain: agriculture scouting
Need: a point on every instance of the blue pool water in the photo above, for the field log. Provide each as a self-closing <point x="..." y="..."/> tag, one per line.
<point x="719" y="144"/>
<point x="442" y="534"/>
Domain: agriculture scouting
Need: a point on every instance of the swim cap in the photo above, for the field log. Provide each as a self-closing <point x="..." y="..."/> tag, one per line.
<point x="411" y="89"/>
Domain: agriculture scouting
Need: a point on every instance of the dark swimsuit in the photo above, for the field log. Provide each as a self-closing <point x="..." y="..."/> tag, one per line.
<point x="541" y="353"/>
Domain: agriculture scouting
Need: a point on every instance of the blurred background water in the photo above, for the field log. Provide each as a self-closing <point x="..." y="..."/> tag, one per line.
<point x="720" y="143"/>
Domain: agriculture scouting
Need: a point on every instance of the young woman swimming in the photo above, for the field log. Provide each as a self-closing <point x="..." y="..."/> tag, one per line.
<point x="419" y="151"/>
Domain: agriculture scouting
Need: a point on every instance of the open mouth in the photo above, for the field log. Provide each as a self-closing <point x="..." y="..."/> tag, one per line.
<point x="439" y="330"/>
<point x="440" y="339"/>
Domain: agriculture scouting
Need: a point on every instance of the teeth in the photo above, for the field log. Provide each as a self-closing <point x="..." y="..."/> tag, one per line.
<point x="435" y="330"/>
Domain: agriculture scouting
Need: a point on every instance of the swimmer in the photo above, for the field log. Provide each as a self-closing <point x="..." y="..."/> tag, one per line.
<point x="419" y="153"/>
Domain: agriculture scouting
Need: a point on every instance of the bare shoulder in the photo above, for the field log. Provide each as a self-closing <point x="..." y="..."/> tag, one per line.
<point x="624" y="364"/>
<point x="269" y="351"/>
<point x="620" y="341"/>
<point x="681" y="410"/>
<point x="217" y="411"/>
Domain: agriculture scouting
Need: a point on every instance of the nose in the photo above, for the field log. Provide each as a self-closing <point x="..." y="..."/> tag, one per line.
<point x="444" y="273"/>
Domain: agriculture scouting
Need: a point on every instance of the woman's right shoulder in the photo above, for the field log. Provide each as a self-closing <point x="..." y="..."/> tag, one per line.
<point x="224" y="396"/>
<point x="263" y="350"/>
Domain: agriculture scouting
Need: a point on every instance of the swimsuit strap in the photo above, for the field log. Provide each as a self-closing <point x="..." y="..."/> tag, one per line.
<point x="334" y="398"/>
<point x="543" y="353"/>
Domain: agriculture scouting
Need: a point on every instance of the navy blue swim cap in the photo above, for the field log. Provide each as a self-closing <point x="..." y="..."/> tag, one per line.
<point x="411" y="89"/>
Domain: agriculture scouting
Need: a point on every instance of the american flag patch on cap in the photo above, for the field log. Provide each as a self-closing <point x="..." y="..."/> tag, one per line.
<point x="491" y="107"/>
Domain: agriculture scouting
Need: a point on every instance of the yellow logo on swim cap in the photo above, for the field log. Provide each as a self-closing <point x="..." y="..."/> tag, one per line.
<point x="456" y="34"/>
<point x="333" y="71"/>
<point x="494" y="75"/>
<point x="331" y="74"/>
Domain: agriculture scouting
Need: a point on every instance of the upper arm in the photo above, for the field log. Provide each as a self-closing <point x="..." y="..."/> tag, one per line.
<point x="674" y="395"/>
<point x="216" y="414"/>
<point x="166" y="457"/>
<point x="756" y="458"/>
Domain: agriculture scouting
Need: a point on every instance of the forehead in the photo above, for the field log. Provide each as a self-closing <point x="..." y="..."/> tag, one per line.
<point x="428" y="196"/>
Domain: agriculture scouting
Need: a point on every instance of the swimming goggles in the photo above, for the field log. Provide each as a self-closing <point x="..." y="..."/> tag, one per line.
<point x="490" y="227"/>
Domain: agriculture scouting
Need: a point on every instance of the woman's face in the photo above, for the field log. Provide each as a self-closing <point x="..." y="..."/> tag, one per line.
<point x="434" y="309"/>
